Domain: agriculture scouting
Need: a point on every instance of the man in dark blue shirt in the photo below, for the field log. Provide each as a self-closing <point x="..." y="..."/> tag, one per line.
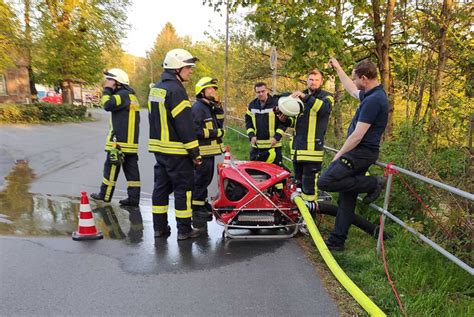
<point x="346" y="174"/>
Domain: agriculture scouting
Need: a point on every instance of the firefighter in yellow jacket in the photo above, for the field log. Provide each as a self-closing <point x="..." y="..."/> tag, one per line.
<point x="208" y="123"/>
<point x="122" y="140"/>
<point x="175" y="145"/>
<point x="310" y="128"/>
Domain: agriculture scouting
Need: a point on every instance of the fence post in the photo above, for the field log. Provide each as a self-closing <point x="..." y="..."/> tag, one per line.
<point x="386" y="201"/>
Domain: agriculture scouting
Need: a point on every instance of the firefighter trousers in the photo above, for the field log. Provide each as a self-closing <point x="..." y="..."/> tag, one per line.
<point x="132" y="174"/>
<point x="305" y="177"/>
<point x="173" y="174"/>
<point x="257" y="154"/>
<point x="203" y="175"/>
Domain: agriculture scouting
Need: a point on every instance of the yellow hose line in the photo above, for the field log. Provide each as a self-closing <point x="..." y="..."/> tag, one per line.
<point x="350" y="286"/>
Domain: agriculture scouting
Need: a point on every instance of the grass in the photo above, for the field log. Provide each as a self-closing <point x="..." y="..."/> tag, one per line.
<point x="427" y="282"/>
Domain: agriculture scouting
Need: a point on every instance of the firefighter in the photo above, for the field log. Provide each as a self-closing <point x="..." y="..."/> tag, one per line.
<point x="122" y="140"/>
<point x="263" y="127"/>
<point x="310" y="128"/>
<point x="174" y="143"/>
<point x="208" y="123"/>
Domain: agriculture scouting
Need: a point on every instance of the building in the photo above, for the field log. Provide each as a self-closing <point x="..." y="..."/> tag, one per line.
<point x="15" y="83"/>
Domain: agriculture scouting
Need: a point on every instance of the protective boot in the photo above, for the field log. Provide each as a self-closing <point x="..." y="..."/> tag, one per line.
<point x="129" y="202"/>
<point x="160" y="225"/>
<point x="133" y="197"/>
<point x="97" y="196"/>
<point x="194" y="233"/>
<point x="163" y="233"/>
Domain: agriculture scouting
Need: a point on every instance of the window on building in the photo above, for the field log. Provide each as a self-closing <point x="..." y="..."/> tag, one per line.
<point x="3" y="85"/>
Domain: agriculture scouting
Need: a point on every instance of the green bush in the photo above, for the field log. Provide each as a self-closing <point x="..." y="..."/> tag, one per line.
<point x="41" y="112"/>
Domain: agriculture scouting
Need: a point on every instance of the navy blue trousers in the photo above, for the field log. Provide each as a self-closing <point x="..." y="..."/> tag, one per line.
<point x="347" y="177"/>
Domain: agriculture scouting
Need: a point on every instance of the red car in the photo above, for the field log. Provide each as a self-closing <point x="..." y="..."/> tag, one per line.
<point x="52" y="97"/>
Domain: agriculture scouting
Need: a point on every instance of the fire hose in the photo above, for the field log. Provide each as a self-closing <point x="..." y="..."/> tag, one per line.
<point x="370" y="307"/>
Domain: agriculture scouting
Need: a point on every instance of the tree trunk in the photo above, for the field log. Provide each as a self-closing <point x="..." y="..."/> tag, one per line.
<point x="469" y="88"/>
<point x="425" y="69"/>
<point x="28" y="42"/>
<point x="435" y="90"/>
<point x="419" y="103"/>
<point x="337" y="112"/>
<point x="61" y="16"/>
<point x="67" y="92"/>
<point x="391" y="94"/>
<point x="382" y="46"/>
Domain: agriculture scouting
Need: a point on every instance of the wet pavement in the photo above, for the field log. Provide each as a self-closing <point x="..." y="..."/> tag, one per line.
<point x="44" y="272"/>
<point x="56" y="216"/>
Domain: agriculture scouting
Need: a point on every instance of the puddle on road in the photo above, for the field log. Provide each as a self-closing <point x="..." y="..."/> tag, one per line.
<point x="26" y="214"/>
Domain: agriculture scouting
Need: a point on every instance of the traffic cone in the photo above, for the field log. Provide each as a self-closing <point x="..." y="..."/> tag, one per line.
<point x="227" y="155"/>
<point x="86" y="229"/>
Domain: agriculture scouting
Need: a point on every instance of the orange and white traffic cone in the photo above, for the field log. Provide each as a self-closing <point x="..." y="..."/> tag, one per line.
<point x="86" y="229"/>
<point x="227" y="155"/>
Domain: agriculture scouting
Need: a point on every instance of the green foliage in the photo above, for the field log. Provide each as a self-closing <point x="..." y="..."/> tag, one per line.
<point x="310" y="34"/>
<point x="9" y="36"/>
<point x="41" y="112"/>
<point x="72" y="36"/>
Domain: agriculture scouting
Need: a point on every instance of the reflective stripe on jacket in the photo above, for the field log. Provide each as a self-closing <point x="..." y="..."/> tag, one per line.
<point x="124" y="122"/>
<point x="171" y="122"/>
<point x="263" y="123"/>
<point x="208" y="124"/>
<point x="310" y="127"/>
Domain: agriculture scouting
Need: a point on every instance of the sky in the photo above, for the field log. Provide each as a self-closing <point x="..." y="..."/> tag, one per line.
<point x="147" y="19"/>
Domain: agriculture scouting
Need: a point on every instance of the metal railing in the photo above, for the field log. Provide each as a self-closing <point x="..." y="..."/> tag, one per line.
<point x="385" y="212"/>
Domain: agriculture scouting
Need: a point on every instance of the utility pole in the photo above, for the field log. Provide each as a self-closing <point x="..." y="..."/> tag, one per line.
<point x="226" y="64"/>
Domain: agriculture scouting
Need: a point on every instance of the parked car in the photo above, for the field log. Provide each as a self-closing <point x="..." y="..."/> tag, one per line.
<point x="52" y="97"/>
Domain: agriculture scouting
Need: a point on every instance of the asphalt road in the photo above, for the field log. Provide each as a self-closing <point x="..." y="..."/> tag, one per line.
<point x="43" y="169"/>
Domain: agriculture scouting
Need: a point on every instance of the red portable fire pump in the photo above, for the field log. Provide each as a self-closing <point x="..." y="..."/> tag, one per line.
<point x="255" y="195"/>
<point x="258" y="196"/>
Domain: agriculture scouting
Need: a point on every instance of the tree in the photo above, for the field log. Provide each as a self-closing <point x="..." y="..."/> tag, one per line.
<point x="9" y="36"/>
<point x="441" y="39"/>
<point x="166" y="40"/>
<point x="309" y="33"/>
<point x="382" y="33"/>
<point x="72" y="35"/>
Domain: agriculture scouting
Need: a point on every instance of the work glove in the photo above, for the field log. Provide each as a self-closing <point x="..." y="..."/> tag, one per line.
<point x="116" y="155"/>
